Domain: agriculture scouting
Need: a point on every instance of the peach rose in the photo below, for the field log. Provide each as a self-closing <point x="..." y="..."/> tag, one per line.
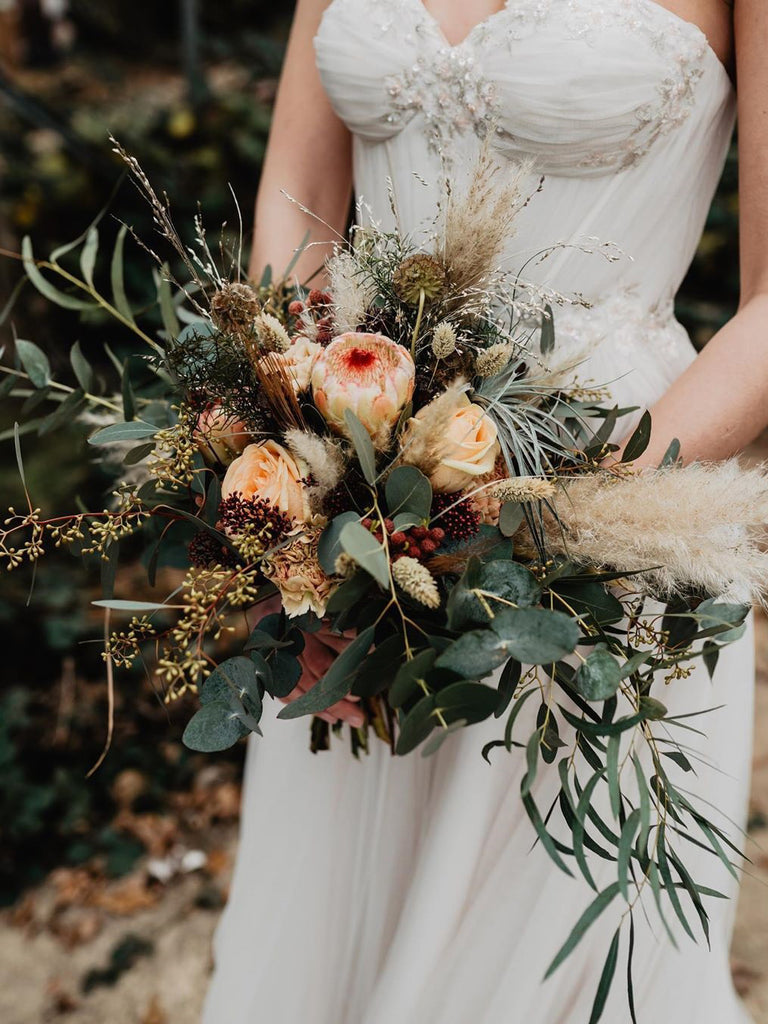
<point x="467" y="447"/>
<point x="299" y="359"/>
<point x="269" y="472"/>
<point x="219" y="434"/>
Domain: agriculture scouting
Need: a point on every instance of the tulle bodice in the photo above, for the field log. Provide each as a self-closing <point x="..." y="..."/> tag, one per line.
<point x="622" y="105"/>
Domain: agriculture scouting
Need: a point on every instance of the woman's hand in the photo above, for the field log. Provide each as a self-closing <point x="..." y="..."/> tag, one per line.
<point x="320" y="650"/>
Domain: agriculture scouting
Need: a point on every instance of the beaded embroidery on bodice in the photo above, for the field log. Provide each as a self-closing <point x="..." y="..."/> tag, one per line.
<point x="621" y="105"/>
<point x="529" y="74"/>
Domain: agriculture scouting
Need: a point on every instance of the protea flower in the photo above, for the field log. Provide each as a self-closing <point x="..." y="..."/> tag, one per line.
<point x="368" y="374"/>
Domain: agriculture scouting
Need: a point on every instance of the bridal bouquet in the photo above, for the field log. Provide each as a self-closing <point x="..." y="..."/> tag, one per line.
<point x="398" y="456"/>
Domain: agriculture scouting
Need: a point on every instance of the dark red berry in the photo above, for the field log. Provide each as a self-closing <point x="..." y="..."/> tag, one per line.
<point x="419" y="532"/>
<point x="295" y="308"/>
<point x="389" y="525"/>
<point x="437" y="534"/>
<point x="428" y="546"/>
<point x="398" y="538"/>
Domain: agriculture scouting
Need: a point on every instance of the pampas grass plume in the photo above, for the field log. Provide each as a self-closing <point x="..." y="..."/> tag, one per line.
<point x="697" y="527"/>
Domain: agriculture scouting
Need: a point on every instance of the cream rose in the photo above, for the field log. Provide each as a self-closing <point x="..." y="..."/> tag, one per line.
<point x="299" y="360"/>
<point x="466" y="448"/>
<point x="269" y="472"/>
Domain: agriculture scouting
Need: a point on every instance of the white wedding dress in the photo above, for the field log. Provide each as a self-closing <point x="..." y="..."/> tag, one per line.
<point x="408" y="891"/>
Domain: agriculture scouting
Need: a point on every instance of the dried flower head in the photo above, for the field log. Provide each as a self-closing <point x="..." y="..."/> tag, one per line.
<point x="271" y="334"/>
<point x="353" y="291"/>
<point x="345" y="565"/>
<point x="492" y="360"/>
<point x="523" y="488"/>
<point x="234" y="308"/>
<point x="443" y="340"/>
<point x="323" y="457"/>
<point x="416" y="274"/>
<point x="298" y="575"/>
<point x="479" y="221"/>
<point x="416" y="581"/>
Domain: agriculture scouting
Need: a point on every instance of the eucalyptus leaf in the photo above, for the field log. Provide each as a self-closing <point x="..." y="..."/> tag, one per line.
<point x="117" y="276"/>
<point x="165" y="300"/>
<point x="510" y="517"/>
<point x="363" y="445"/>
<point x="130" y="606"/>
<point x="599" y="676"/>
<point x="472" y="702"/>
<point x="366" y="551"/>
<point x="409" y="675"/>
<point x="416" y="725"/>
<point x="236" y="676"/>
<point x="606" y="979"/>
<point x="65" y="414"/>
<point x="329" y="546"/>
<point x="536" y="636"/>
<point x="600" y="903"/>
<point x="44" y="286"/>
<point x="672" y="454"/>
<point x="408" y="491"/>
<point x="547" y="337"/>
<point x="214" y="727"/>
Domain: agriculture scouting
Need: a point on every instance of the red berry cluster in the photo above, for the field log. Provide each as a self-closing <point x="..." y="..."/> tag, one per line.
<point x="205" y="551"/>
<point x="317" y="305"/>
<point x="237" y="514"/>
<point x="460" y="518"/>
<point x="419" y="542"/>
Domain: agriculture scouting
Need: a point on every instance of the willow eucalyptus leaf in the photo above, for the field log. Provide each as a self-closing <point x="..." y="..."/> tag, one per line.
<point x="34" y="361"/>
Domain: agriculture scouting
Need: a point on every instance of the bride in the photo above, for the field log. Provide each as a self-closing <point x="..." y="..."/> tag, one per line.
<point x="405" y="890"/>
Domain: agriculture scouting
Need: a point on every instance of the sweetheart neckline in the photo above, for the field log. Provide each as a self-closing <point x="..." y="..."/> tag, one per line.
<point x="659" y="11"/>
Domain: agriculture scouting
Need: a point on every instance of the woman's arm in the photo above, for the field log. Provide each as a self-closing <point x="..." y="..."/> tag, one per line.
<point x="308" y="156"/>
<point x="720" y="404"/>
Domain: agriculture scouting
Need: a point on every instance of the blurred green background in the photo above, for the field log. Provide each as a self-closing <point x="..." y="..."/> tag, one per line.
<point x="187" y="88"/>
